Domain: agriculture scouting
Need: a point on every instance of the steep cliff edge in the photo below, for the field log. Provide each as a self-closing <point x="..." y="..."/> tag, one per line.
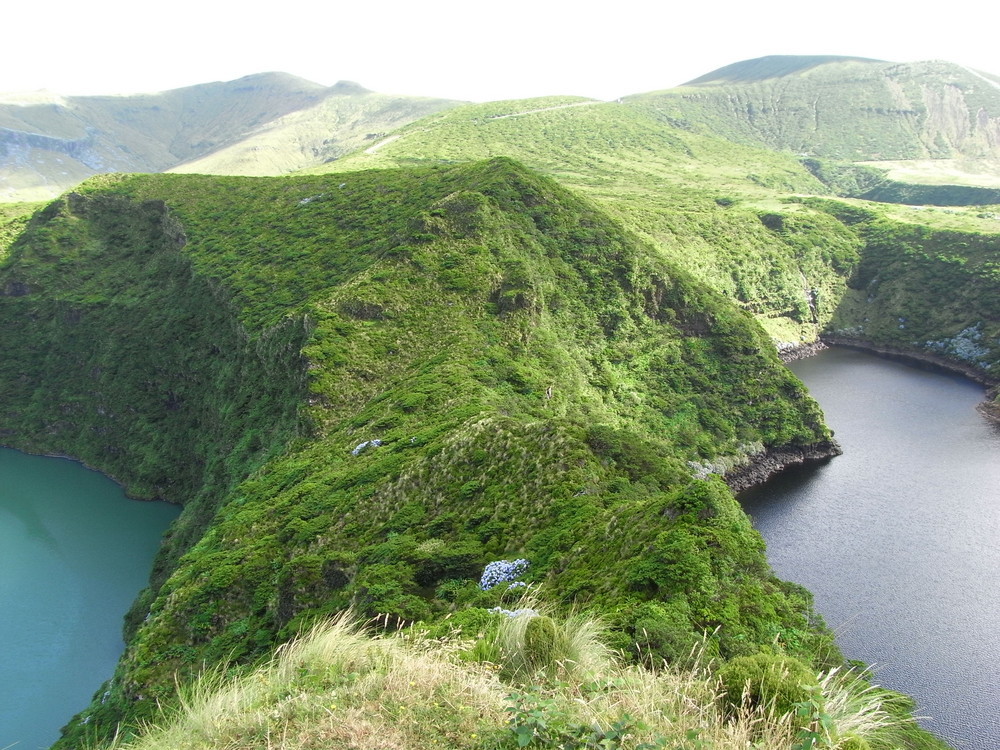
<point x="118" y="353"/>
<point x="929" y="293"/>
<point x="772" y="462"/>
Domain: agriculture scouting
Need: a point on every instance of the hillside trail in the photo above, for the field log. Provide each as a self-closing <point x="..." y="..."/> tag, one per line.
<point x="372" y="149"/>
<point x="544" y="109"/>
<point x="380" y="144"/>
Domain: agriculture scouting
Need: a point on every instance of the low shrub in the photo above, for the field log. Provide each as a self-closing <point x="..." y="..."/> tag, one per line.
<point x="766" y="681"/>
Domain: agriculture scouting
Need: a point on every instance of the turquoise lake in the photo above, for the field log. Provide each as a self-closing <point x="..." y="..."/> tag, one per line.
<point x="74" y="553"/>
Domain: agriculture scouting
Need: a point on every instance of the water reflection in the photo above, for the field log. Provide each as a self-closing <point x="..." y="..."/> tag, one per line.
<point x="30" y="521"/>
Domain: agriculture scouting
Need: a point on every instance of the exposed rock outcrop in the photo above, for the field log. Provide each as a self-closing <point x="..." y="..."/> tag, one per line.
<point x="789" y="352"/>
<point x="991" y="407"/>
<point x="769" y="463"/>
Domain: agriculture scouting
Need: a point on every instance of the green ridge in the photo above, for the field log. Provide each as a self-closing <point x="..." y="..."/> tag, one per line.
<point x="533" y="372"/>
<point x="699" y="199"/>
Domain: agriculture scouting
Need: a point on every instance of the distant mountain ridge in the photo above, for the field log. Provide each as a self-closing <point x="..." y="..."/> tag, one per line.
<point x="852" y="109"/>
<point x="49" y="143"/>
<point x="771" y="66"/>
<point x="848" y="109"/>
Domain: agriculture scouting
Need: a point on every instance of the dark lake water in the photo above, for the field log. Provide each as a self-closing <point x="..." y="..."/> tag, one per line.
<point x="74" y="552"/>
<point x="899" y="538"/>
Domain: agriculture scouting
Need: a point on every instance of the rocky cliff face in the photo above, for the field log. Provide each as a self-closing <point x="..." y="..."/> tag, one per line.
<point x="958" y="118"/>
<point x="774" y="461"/>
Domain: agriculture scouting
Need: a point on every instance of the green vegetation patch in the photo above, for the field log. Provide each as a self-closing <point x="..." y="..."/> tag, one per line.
<point x="923" y="290"/>
<point x="366" y="386"/>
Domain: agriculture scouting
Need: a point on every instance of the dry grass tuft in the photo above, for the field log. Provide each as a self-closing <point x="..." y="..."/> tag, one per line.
<point x="340" y="688"/>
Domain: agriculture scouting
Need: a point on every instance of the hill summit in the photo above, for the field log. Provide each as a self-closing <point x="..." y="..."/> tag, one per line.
<point x="770" y="66"/>
<point x="266" y="123"/>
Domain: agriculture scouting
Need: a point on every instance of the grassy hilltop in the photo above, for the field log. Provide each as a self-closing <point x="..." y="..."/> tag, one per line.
<point x="540" y="384"/>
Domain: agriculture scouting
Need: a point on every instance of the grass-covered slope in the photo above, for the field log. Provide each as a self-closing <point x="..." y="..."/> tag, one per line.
<point x="478" y="364"/>
<point x="844" y="108"/>
<point x="604" y="146"/>
<point x="13" y="218"/>
<point x="532" y="681"/>
<point x="348" y="117"/>
<point x="922" y="290"/>
<point x="702" y="201"/>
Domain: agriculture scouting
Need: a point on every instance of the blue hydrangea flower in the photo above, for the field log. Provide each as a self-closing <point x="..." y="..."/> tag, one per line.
<point x="502" y="571"/>
<point x="527" y="611"/>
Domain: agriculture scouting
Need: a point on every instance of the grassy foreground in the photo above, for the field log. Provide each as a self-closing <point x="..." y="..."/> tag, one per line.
<point x="530" y="681"/>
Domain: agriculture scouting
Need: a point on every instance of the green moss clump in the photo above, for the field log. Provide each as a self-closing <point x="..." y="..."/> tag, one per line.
<point x="541" y="648"/>
<point x="853" y="743"/>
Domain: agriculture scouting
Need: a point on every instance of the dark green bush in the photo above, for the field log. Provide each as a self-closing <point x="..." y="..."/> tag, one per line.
<point x="656" y="632"/>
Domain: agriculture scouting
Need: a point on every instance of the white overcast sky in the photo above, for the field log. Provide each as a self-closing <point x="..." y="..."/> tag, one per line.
<point x="468" y="50"/>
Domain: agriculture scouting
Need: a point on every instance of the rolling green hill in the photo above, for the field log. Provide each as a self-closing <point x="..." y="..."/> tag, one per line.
<point x="772" y="66"/>
<point x="274" y="123"/>
<point x="346" y="119"/>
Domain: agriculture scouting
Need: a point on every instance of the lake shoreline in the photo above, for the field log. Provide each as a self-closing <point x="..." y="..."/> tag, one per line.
<point x="988" y="408"/>
<point x="774" y="461"/>
<point x="84" y="464"/>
